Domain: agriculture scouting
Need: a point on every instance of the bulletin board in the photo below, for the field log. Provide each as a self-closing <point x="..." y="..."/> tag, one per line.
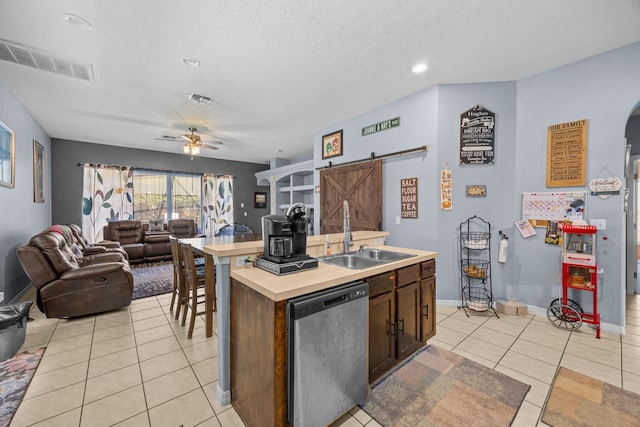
<point x="560" y="206"/>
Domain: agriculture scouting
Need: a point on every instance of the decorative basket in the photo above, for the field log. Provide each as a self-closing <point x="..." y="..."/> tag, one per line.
<point x="475" y="240"/>
<point x="475" y="268"/>
<point x="476" y="298"/>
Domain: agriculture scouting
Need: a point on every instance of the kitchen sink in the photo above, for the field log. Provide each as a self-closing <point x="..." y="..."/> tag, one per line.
<point x="382" y="255"/>
<point x="364" y="259"/>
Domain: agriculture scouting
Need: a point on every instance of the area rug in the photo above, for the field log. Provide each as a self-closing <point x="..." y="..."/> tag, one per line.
<point x="151" y="279"/>
<point x="15" y="375"/>
<point x="579" y="400"/>
<point x="439" y="388"/>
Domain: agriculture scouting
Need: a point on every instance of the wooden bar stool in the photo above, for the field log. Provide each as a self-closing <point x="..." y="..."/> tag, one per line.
<point x="179" y="291"/>
<point x="194" y="279"/>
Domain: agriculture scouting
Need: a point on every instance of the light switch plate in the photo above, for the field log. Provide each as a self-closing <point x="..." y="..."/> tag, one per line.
<point x="601" y="224"/>
<point x="397" y="220"/>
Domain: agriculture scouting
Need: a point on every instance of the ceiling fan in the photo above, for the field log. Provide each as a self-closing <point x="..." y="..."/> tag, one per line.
<point x="193" y="142"/>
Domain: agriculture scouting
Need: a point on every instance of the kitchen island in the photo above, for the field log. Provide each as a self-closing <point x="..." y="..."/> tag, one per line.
<point x="229" y="256"/>
<point x="401" y="293"/>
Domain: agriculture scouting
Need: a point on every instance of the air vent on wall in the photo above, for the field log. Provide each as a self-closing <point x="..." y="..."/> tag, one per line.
<point x="41" y="60"/>
<point x="200" y="99"/>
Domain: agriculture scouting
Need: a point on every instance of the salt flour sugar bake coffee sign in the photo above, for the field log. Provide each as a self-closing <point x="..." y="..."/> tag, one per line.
<point x="477" y="136"/>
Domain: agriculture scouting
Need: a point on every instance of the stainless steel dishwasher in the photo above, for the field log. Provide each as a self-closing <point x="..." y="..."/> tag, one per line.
<point x="328" y="345"/>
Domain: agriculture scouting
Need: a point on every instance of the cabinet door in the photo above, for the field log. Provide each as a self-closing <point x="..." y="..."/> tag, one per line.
<point x="382" y="329"/>
<point x="428" y="308"/>
<point x="408" y="318"/>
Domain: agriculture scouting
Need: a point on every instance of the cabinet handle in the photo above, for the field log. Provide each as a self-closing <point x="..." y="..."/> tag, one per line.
<point x="391" y="328"/>
<point x="401" y="330"/>
<point x="426" y="310"/>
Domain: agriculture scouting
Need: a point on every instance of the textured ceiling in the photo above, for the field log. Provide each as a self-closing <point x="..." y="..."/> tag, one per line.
<point x="280" y="70"/>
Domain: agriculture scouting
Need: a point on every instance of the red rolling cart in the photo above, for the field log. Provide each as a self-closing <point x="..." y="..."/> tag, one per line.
<point x="580" y="272"/>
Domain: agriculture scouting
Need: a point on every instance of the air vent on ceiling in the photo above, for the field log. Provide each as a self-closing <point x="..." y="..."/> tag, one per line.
<point x="200" y="99"/>
<point x="41" y="60"/>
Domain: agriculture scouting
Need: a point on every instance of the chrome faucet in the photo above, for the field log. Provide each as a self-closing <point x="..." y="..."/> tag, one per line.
<point x="348" y="239"/>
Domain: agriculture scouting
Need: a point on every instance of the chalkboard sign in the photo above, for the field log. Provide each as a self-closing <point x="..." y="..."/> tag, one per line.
<point x="477" y="136"/>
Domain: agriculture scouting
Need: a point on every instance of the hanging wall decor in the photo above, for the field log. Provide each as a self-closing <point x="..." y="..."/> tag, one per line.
<point x="7" y="156"/>
<point x="377" y="127"/>
<point x="38" y="172"/>
<point x="446" y="189"/>
<point x="409" y="198"/>
<point x="567" y="154"/>
<point x="477" y="136"/>
<point x="332" y="144"/>
<point x="605" y="186"/>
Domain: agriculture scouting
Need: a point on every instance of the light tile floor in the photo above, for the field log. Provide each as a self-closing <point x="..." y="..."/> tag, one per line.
<point x="136" y="367"/>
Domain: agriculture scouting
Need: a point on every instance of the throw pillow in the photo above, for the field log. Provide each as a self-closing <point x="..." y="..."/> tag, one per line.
<point x="156" y="225"/>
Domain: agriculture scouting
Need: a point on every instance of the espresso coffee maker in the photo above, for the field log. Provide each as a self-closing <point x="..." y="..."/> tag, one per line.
<point x="285" y="242"/>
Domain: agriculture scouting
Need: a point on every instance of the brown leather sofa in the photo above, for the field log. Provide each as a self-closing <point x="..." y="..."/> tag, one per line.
<point x="70" y="286"/>
<point x="140" y="245"/>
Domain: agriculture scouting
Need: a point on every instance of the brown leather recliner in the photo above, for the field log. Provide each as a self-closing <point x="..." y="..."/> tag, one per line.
<point x="89" y="249"/>
<point x="182" y="228"/>
<point x="70" y="287"/>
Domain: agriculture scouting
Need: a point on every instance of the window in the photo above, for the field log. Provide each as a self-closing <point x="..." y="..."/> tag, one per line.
<point x="166" y="195"/>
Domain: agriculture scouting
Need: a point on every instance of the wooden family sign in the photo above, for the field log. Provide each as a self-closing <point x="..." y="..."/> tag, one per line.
<point x="567" y="154"/>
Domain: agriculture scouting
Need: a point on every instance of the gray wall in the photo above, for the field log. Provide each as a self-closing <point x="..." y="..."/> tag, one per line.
<point x="21" y="217"/>
<point x="603" y="89"/>
<point x="67" y="176"/>
<point x="632" y="133"/>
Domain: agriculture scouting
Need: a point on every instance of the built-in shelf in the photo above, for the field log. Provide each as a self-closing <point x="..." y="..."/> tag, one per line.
<point x="293" y="183"/>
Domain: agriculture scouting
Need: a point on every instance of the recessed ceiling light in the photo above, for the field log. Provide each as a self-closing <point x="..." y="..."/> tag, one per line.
<point x="79" y="22"/>
<point x="191" y="62"/>
<point x="420" y="68"/>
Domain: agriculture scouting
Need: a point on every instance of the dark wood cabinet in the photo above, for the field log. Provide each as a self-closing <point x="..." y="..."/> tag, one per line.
<point x="408" y="319"/>
<point x="427" y="300"/>
<point x="382" y="349"/>
<point x="401" y="314"/>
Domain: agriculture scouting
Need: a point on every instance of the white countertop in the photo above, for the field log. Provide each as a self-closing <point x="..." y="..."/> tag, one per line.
<point x="280" y="288"/>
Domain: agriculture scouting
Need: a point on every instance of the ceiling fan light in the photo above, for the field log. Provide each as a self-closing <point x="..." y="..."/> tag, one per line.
<point x="186" y="149"/>
<point x="195" y="150"/>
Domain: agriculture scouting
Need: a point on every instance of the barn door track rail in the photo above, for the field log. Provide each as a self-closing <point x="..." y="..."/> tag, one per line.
<point x="374" y="157"/>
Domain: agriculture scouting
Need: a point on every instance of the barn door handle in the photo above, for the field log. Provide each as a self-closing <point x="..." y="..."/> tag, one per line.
<point x="391" y="328"/>
<point x="399" y="329"/>
<point x="426" y="310"/>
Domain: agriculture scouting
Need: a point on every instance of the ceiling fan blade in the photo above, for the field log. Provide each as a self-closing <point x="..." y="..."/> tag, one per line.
<point x="187" y="137"/>
<point x="211" y="147"/>
<point x="168" y="138"/>
<point x="213" y="142"/>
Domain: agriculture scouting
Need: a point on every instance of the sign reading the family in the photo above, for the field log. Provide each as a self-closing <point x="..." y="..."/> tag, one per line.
<point x="477" y="136"/>
<point x="377" y="127"/>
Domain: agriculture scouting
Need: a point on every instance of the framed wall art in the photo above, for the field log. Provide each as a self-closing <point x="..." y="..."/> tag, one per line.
<point x="7" y="156"/>
<point x="38" y="172"/>
<point x="332" y="145"/>
<point x="259" y="200"/>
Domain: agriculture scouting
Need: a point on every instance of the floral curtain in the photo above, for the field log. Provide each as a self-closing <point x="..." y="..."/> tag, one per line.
<point x="217" y="205"/>
<point x="107" y="195"/>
